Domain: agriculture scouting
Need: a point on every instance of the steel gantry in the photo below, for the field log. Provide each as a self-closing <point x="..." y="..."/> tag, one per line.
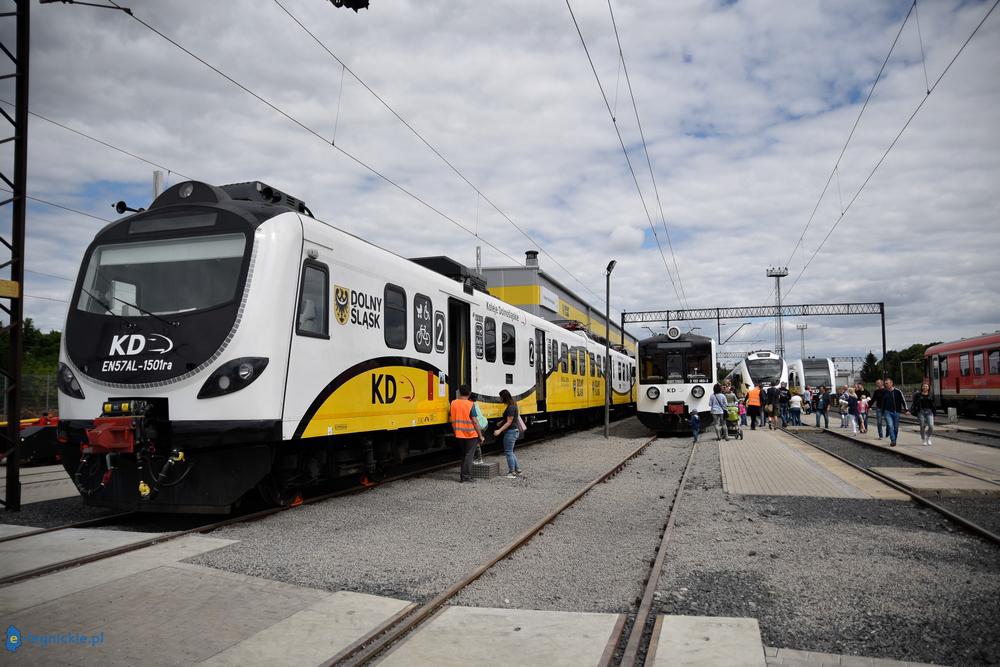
<point x="12" y="289"/>
<point x="752" y="312"/>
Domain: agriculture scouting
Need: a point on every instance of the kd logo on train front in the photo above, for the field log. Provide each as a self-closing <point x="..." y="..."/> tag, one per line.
<point x="16" y="638"/>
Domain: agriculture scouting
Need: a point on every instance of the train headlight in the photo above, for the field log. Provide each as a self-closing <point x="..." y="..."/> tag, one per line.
<point x="698" y="391"/>
<point x="233" y="376"/>
<point x="67" y="382"/>
<point x="653" y="393"/>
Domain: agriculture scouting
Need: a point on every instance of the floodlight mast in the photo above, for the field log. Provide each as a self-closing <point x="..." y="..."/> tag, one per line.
<point x="778" y="272"/>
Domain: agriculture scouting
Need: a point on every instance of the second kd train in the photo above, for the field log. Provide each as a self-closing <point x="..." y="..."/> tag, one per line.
<point x="225" y="341"/>
<point x="676" y="375"/>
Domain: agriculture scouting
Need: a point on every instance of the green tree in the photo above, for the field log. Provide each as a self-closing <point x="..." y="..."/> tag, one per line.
<point x="41" y="350"/>
<point x="870" y="370"/>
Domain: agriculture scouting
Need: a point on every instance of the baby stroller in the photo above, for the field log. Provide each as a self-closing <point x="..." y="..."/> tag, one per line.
<point x="733" y="429"/>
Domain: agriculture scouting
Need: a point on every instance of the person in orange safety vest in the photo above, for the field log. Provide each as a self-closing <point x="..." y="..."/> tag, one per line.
<point x="466" y="430"/>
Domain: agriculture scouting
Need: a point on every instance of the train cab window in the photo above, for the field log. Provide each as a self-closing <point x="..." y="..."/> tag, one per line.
<point x="490" y="339"/>
<point x="978" y="367"/>
<point x="508" y="347"/>
<point x="313" y="317"/>
<point x="963" y="364"/>
<point x="994" y="362"/>
<point x="564" y="358"/>
<point x="395" y="317"/>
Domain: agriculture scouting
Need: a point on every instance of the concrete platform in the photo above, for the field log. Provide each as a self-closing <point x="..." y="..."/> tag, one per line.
<point x="939" y="482"/>
<point x="979" y="461"/>
<point x="769" y="463"/>
<point x="48" y="548"/>
<point x="42" y="483"/>
<point x="785" y="656"/>
<point x="705" y="641"/>
<point x="461" y="636"/>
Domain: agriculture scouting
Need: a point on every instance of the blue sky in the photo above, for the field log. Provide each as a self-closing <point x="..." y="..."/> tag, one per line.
<point x="745" y="108"/>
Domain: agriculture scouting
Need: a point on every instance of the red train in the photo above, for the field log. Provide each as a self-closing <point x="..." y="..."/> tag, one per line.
<point x="965" y="374"/>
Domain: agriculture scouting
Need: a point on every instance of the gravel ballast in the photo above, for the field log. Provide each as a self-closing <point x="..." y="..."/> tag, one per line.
<point x="862" y="577"/>
<point x="412" y="538"/>
<point x="596" y="555"/>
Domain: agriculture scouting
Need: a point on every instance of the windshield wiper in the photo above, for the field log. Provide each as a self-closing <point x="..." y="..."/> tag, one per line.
<point x="146" y="312"/>
<point x="130" y="325"/>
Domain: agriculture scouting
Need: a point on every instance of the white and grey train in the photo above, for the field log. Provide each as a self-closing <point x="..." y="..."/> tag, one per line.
<point x="758" y="369"/>
<point x="224" y="341"/>
<point x="812" y="372"/>
<point x="676" y="375"/>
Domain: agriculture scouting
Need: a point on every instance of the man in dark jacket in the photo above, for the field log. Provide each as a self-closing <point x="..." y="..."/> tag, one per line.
<point x="771" y="406"/>
<point x="877" y="403"/>
<point x="893" y="404"/>
<point x="783" y="397"/>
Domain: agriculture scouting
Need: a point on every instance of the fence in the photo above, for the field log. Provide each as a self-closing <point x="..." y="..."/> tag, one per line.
<point x="38" y="395"/>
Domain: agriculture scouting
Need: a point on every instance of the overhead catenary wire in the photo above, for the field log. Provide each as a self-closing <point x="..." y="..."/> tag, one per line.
<point x="65" y="208"/>
<point x="431" y="147"/>
<point x="888" y="150"/>
<point x="315" y="133"/>
<point x="100" y="141"/>
<point x="625" y="151"/>
<point x="645" y="150"/>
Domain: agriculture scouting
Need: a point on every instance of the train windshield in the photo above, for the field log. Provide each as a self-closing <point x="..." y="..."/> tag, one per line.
<point x="764" y="371"/>
<point x="162" y="277"/>
<point x="674" y="363"/>
<point x="817" y="372"/>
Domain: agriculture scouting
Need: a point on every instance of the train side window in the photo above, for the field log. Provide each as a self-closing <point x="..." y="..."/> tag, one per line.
<point x="572" y="362"/>
<point x="581" y="362"/>
<point x="944" y="367"/>
<point x="395" y="317"/>
<point x="490" y="329"/>
<point x="313" y="317"/>
<point x="593" y="366"/>
<point x="994" y="362"/>
<point x="564" y="358"/>
<point x="508" y="347"/>
<point x="978" y="367"/>
<point x="963" y="364"/>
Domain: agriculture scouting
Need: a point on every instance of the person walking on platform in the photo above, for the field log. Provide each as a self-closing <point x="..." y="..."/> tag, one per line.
<point x="852" y="409"/>
<point x="784" y="396"/>
<point x="717" y="403"/>
<point x="876" y="402"/>
<point x="807" y="400"/>
<point x="753" y="407"/>
<point x="823" y="407"/>
<point x="842" y="404"/>
<point x="771" y="406"/>
<point x="510" y="430"/>
<point x="923" y="407"/>
<point x="795" y="408"/>
<point x="862" y="394"/>
<point x="893" y="404"/>
<point x="466" y="430"/>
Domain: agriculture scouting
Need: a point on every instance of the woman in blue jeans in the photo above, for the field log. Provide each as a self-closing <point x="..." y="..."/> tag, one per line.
<point x="510" y="432"/>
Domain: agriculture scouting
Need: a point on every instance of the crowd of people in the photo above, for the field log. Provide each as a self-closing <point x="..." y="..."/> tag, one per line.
<point x="768" y="407"/>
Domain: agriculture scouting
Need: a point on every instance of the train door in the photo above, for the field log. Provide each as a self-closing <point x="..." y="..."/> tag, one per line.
<point x="459" y="352"/>
<point x="540" y="367"/>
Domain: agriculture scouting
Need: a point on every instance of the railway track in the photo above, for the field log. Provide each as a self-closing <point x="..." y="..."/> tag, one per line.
<point x="630" y="639"/>
<point x="204" y="528"/>
<point x="859" y="455"/>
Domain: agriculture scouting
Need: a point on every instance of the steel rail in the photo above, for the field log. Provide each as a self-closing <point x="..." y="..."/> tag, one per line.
<point x="78" y="524"/>
<point x="372" y="645"/>
<point x="962" y="521"/>
<point x="207" y="528"/>
<point x="638" y="630"/>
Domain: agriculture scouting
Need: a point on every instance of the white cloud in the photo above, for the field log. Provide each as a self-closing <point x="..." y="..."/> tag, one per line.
<point x="744" y="108"/>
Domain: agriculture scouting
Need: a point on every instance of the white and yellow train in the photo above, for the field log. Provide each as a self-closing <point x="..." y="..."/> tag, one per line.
<point x="224" y="340"/>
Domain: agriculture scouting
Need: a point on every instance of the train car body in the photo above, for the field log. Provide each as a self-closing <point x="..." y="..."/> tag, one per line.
<point x="758" y="369"/>
<point x="225" y="340"/>
<point x="965" y="374"/>
<point x="676" y="375"/>
<point x="812" y="372"/>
